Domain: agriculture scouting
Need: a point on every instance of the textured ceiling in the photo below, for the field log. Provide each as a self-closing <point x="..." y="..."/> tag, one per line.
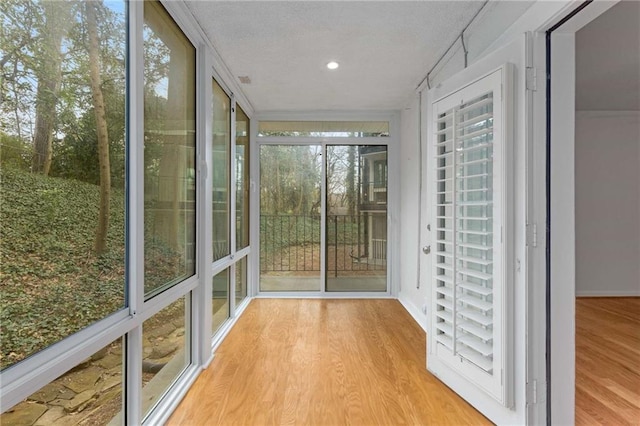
<point x="384" y="48"/>
<point x="608" y="60"/>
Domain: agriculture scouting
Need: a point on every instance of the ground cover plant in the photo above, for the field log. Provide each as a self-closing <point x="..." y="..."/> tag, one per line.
<point x="51" y="282"/>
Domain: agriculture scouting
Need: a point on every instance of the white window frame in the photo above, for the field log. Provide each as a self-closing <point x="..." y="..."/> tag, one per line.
<point x="393" y="194"/>
<point x="30" y="375"/>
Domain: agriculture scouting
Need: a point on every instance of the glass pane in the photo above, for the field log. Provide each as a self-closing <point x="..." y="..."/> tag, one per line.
<point x="350" y="129"/>
<point x="62" y="215"/>
<point x="165" y="351"/>
<point x="169" y="151"/>
<point x="220" y="299"/>
<point x="290" y="179"/>
<point x="242" y="179"/>
<point x="241" y="280"/>
<point x="89" y="394"/>
<point x="221" y="154"/>
<point x="356" y="218"/>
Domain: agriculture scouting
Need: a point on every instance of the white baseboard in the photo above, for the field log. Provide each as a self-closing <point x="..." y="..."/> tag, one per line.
<point x="608" y="293"/>
<point x="415" y="312"/>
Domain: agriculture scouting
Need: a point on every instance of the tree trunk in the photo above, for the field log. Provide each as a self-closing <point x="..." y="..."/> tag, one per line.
<point x="351" y="187"/>
<point x="49" y="76"/>
<point x="101" y="128"/>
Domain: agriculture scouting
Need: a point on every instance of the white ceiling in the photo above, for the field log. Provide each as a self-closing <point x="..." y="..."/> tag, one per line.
<point x="384" y="48"/>
<point x="608" y="60"/>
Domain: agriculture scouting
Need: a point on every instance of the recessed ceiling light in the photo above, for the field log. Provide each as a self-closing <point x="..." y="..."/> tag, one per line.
<point x="333" y="65"/>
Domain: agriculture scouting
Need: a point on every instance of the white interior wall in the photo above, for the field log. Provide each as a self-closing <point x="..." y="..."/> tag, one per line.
<point x="607" y="203"/>
<point x="481" y="39"/>
<point x="412" y="297"/>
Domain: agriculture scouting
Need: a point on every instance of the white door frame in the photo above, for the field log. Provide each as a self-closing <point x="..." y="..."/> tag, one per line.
<point x="558" y="299"/>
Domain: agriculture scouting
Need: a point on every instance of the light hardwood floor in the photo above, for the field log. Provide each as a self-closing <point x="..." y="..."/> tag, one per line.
<point x="322" y="362"/>
<point x="608" y="361"/>
<point x="362" y="362"/>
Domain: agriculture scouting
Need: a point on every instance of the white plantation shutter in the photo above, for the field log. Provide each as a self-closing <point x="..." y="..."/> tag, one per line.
<point x="468" y="322"/>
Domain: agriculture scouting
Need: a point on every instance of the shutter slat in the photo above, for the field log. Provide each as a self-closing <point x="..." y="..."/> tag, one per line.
<point x="485" y="291"/>
<point x="445" y="291"/>
<point x="477" y="133"/>
<point x="476" y="302"/>
<point x="476" y="344"/>
<point x="475" y="147"/>
<point x="474" y="246"/>
<point x="476" y="119"/>
<point x="483" y="362"/>
<point x="483" y="262"/>
<point x="444" y="266"/>
<point x="447" y="304"/>
<point x="484" y="219"/>
<point x="474" y="203"/>
<point x="475" y="274"/>
<point x="444" y="278"/>
<point x="476" y="316"/>
<point x="445" y="340"/>
<point x="477" y="104"/>
<point x="445" y="315"/>
<point x="472" y="162"/>
<point x="472" y="328"/>
<point x="478" y="175"/>
<point x="445" y="328"/>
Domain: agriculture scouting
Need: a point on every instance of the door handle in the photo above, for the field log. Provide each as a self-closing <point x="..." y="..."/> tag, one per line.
<point x="426" y="249"/>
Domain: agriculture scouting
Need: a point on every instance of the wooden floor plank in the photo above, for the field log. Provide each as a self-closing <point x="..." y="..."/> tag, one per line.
<point x="608" y="361"/>
<point x="334" y="362"/>
<point x="322" y="362"/>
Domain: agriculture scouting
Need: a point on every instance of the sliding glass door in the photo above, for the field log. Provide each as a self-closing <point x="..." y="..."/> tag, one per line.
<point x="323" y="218"/>
<point x="290" y="217"/>
<point x="356" y="231"/>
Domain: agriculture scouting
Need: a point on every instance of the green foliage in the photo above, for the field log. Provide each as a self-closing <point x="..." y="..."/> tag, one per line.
<point x="14" y="152"/>
<point x="290" y="179"/>
<point x="52" y="283"/>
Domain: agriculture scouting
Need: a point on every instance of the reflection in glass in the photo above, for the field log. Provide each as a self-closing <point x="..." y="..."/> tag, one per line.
<point x="164" y="351"/>
<point x="88" y="394"/>
<point x="62" y="209"/>
<point x="242" y="179"/>
<point x="356" y="218"/>
<point x="290" y="203"/>
<point x="220" y="299"/>
<point x="241" y="280"/>
<point x="169" y="151"/>
<point x="220" y="171"/>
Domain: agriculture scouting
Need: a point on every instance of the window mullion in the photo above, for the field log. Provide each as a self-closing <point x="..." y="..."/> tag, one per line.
<point x="132" y="355"/>
<point x="232" y="210"/>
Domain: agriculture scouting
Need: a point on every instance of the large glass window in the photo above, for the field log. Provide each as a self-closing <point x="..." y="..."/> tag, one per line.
<point x="241" y="280"/>
<point x="62" y="147"/>
<point x="89" y="394"/>
<point x="221" y="161"/>
<point x="220" y="299"/>
<point x="242" y="179"/>
<point x="169" y="157"/>
<point x="165" y="351"/>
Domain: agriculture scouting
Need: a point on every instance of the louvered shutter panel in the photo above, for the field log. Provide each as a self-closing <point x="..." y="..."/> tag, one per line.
<point x="468" y="318"/>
